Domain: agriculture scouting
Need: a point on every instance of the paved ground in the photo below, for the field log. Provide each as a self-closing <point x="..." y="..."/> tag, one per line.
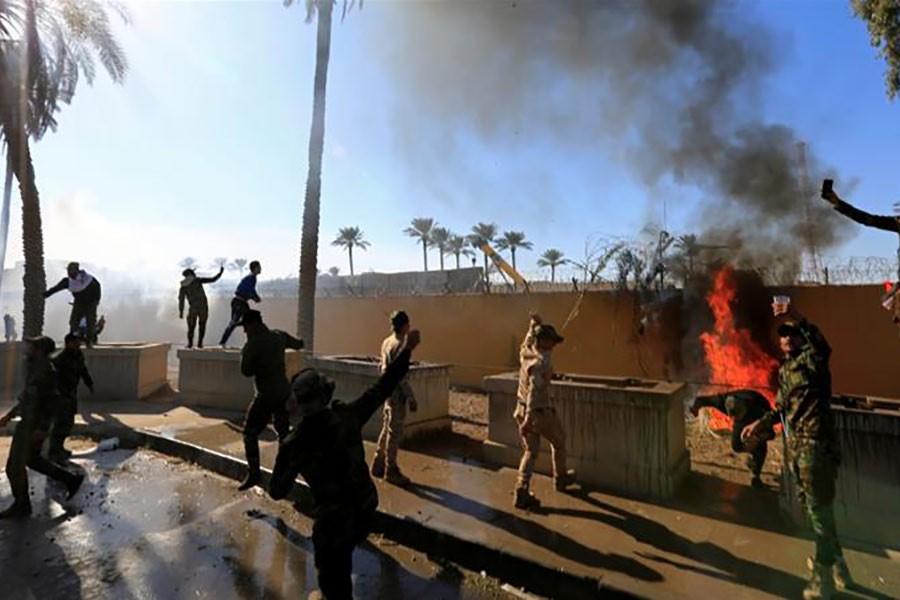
<point x="721" y="540"/>
<point x="149" y="526"/>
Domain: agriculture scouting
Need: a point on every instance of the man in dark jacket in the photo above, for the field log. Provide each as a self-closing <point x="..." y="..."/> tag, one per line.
<point x="35" y="406"/>
<point x="198" y="308"/>
<point x="240" y="304"/>
<point x="326" y="448"/>
<point x="85" y="289"/>
<point x="70" y="371"/>
<point x="744" y="407"/>
<point x="263" y="359"/>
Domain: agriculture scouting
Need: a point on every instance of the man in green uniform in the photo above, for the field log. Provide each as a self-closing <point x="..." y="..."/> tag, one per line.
<point x="744" y="407"/>
<point x="70" y="371"/>
<point x="326" y="448"/>
<point x="263" y="359"/>
<point x="804" y="406"/>
<point x="384" y="465"/>
<point x="198" y="308"/>
<point x="35" y="406"/>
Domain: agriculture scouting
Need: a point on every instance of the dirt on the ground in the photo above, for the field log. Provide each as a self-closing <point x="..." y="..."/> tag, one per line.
<point x="711" y="453"/>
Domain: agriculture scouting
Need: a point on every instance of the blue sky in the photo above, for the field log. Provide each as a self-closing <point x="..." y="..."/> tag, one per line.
<point x="203" y="151"/>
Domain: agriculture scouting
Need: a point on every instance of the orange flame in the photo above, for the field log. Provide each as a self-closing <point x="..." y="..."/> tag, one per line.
<point x="734" y="359"/>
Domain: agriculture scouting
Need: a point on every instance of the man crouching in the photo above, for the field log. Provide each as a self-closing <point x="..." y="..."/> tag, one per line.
<point x="325" y="446"/>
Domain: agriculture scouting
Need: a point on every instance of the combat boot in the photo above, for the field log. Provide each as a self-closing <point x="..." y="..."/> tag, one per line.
<point x="565" y="480"/>
<point x="525" y="499"/>
<point x="73" y="485"/>
<point x="840" y="572"/>
<point x="821" y="584"/>
<point x="17" y="511"/>
<point x="394" y="476"/>
<point x="378" y="466"/>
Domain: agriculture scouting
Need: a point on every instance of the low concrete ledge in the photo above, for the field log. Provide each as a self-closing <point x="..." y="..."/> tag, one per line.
<point x="624" y="435"/>
<point x="126" y="371"/>
<point x="212" y="377"/>
<point x="353" y="375"/>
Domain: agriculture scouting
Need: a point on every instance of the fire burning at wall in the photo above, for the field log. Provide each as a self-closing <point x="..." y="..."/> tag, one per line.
<point x="734" y="359"/>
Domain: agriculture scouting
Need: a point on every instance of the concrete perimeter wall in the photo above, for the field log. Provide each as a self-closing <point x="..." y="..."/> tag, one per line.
<point x="479" y="334"/>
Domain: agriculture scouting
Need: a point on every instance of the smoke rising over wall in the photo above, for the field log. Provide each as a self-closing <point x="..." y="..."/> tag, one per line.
<point x="672" y="89"/>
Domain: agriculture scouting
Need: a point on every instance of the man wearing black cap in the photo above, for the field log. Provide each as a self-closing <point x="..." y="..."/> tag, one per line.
<point x="240" y="304"/>
<point x="744" y="407"/>
<point x="804" y="406"/>
<point x="326" y="448"/>
<point x="35" y="406"/>
<point x="263" y="359"/>
<point x="385" y="462"/>
<point x="198" y="307"/>
<point x="70" y="371"/>
<point x="534" y="413"/>
<point x="85" y="290"/>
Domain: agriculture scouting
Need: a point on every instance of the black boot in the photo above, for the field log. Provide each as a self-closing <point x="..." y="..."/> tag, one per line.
<point x="16" y="511"/>
<point x="74" y="484"/>
<point x="251" y="448"/>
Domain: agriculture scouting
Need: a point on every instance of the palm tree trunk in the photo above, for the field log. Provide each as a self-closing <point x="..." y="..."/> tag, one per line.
<point x="309" y="243"/>
<point x="350" y="250"/>
<point x="35" y="281"/>
<point x="513" y="252"/>
<point x="4" y="214"/>
<point x="552" y="273"/>
<point x="457" y="261"/>
<point x="425" y="253"/>
<point x="441" y="250"/>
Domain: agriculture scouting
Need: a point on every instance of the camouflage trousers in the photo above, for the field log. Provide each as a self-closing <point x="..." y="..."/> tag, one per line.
<point x="392" y="430"/>
<point x="25" y="453"/>
<point x="335" y="535"/>
<point x="544" y="423"/>
<point x="814" y="468"/>
<point x="62" y="423"/>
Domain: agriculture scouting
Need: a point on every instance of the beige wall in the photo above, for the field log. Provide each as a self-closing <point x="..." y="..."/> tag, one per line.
<point x="480" y="334"/>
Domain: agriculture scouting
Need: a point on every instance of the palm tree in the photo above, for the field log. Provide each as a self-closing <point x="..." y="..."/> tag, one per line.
<point x="421" y="228"/>
<point x="483" y="233"/>
<point x="4" y="215"/>
<point x="309" y="239"/>
<point x="334" y="271"/>
<point x="188" y="262"/>
<point x="552" y="258"/>
<point x="350" y="238"/>
<point x="37" y="76"/>
<point x="512" y="241"/>
<point x="238" y="264"/>
<point x="440" y="237"/>
<point x="457" y="245"/>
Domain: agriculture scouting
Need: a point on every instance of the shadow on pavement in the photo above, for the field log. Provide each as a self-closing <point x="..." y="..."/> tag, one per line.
<point x="32" y="565"/>
<point x="537" y="534"/>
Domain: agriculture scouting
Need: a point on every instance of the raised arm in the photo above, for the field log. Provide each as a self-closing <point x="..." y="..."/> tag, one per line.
<point x="292" y="342"/>
<point x="528" y="350"/>
<point x="62" y="285"/>
<point x="214" y="278"/>
<point x="883" y="222"/>
<point x="366" y="405"/>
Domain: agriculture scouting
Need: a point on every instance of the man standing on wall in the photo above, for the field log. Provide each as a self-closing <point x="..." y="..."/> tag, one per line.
<point x="804" y="406"/>
<point x="85" y="290"/>
<point x="240" y="304"/>
<point x="534" y="414"/>
<point x="263" y="359"/>
<point x="198" y="308"/>
<point x="385" y="462"/>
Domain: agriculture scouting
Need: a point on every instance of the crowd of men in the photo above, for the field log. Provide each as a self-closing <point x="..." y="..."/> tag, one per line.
<point x="321" y="438"/>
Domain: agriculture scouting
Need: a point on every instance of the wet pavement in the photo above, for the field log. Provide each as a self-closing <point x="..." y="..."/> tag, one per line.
<point x="721" y="541"/>
<point x="149" y="526"/>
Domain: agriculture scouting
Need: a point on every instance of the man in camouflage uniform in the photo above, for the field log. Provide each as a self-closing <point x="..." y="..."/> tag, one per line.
<point x="70" y="371"/>
<point x="384" y="465"/>
<point x="198" y="308"/>
<point x="804" y="406"/>
<point x="326" y="448"/>
<point x="262" y="358"/>
<point x="35" y="406"/>
<point x="534" y="414"/>
<point x="744" y="407"/>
